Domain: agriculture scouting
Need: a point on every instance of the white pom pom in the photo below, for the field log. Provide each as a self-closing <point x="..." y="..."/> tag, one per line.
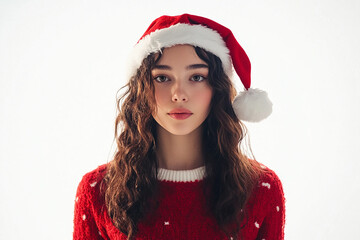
<point x="252" y="105"/>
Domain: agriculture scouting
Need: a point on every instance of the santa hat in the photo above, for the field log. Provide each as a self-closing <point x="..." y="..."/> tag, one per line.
<point x="252" y="105"/>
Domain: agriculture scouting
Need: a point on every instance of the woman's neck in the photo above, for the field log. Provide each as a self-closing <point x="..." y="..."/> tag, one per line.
<point x="177" y="152"/>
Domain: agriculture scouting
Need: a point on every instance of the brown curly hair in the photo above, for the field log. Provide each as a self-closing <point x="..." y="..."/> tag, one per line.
<point x="131" y="181"/>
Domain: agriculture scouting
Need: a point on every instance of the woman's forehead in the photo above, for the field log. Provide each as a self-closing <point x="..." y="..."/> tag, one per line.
<point x="179" y="54"/>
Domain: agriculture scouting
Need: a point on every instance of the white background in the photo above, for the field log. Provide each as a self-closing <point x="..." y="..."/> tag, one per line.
<point x="62" y="62"/>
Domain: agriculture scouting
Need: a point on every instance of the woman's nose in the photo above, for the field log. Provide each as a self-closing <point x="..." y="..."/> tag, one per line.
<point x="179" y="93"/>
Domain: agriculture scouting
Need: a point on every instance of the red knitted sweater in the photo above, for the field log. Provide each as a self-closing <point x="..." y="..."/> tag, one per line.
<point x="181" y="213"/>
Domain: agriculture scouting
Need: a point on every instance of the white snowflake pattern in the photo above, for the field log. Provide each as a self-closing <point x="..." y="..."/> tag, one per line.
<point x="166" y="223"/>
<point x="83" y="217"/>
<point x="264" y="184"/>
<point x="257" y="225"/>
<point x="277" y="208"/>
<point x="93" y="184"/>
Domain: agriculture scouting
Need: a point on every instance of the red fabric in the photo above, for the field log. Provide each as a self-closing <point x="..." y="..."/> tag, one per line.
<point x="181" y="213"/>
<point x="239" y="57"/>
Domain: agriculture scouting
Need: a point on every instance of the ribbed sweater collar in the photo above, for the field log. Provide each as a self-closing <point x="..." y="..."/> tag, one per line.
<point x="192" y="175"/>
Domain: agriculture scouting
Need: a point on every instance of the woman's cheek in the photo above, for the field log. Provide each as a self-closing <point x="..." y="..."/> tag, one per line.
<point x="160" y="95"/>
<point x="205" y="96"/>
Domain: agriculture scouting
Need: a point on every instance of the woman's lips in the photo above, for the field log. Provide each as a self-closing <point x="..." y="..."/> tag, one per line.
<point x="180" y="113"/>
<point x="180" y="116"/>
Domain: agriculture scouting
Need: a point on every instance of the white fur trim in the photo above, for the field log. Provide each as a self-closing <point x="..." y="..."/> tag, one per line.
<point x="196" y="35"/>
<point x="252" y="105"/>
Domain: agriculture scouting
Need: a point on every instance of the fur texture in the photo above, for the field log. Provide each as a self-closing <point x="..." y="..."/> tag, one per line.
<point x="252" y="105"/>
<point x="196" y="35"/>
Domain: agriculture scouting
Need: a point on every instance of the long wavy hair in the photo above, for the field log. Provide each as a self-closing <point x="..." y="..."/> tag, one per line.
<point x="131" y="182"/>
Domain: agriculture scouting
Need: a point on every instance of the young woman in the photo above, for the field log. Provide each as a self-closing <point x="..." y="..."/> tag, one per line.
<point x="179" y="172"/>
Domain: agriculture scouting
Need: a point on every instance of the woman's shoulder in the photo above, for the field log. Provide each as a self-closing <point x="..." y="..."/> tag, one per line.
<point x="90" y="182"/>
<point x="268" y="177"/>
<point x="269" y="188"/>
<point x="95" y="175"/>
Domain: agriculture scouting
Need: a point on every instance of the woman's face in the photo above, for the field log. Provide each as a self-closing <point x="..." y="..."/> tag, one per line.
<point x="182" y="91"/>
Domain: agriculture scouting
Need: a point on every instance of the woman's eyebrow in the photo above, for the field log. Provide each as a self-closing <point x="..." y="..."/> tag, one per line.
<point x="166" y="67"/>
<point x="190" y="67"/>
<point x="195" y="66"/>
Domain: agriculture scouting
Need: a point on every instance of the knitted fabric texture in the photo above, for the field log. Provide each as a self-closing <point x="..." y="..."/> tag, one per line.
<point x="181" y="213"/>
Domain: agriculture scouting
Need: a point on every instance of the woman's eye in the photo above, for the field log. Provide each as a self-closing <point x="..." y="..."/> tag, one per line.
<point x="197" y="78"/>
<point x="161" y="78"/>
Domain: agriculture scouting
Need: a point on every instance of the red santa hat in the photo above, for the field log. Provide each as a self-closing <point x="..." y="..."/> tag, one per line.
<point x="252" y="105"/>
